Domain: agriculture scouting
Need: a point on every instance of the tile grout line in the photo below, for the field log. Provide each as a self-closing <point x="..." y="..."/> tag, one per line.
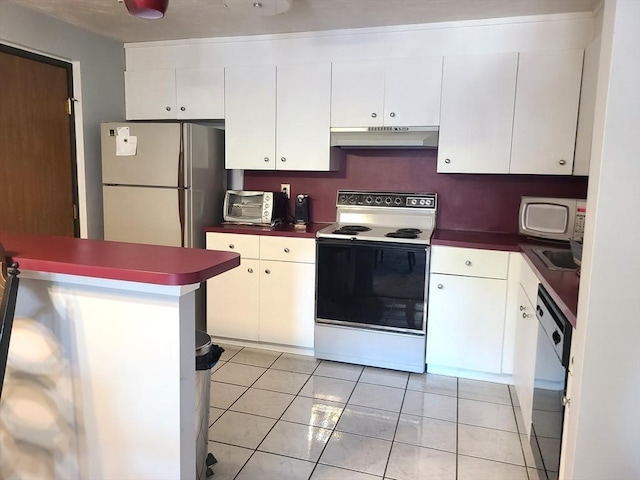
<point x="333" y="430"/>
<point x="395" y="431"/>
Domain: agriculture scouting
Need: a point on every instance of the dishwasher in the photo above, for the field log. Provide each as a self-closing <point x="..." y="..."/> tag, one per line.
<point x="550" y="383"/>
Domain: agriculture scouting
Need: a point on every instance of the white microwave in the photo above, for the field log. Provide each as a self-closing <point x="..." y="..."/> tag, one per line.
<point x="552" y="218"/>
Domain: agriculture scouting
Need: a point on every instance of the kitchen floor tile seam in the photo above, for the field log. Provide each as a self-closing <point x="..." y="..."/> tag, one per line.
<point x="493" y="460"/>
<point x="252" y="364"/>
<point x="513" y="408"/>
<point x="457" y="426"/>
<point x="488" y="428"/>
<point x="395" y="432"/>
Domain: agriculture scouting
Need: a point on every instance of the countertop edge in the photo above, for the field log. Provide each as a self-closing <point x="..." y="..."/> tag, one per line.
<point x="132" y="262"/>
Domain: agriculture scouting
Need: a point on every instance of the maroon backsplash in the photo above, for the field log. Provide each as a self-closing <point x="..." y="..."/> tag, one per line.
<point x="465" y="201"/>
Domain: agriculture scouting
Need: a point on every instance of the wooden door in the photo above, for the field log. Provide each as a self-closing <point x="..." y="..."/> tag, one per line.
<point x="38" y="189"/>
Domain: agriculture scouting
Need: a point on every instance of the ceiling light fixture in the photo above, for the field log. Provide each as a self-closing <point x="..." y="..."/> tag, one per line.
<point x="261" y="8"/>
<point x="148" y="9"/>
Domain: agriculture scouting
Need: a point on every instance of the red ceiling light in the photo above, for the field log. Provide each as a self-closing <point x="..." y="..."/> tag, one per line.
<point x="149" y="9"/>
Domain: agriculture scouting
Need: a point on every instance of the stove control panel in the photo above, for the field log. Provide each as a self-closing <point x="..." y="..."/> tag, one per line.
<point x="386" y="199"/>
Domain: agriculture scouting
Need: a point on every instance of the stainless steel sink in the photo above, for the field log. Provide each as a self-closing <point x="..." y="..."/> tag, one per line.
<point x="556" y="258"/>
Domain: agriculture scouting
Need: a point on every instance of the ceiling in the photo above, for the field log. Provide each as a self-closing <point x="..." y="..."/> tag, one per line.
<point x="209" y="18"/>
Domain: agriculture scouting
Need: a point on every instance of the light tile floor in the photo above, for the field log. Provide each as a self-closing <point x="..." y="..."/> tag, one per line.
<point x="281" y="416"/>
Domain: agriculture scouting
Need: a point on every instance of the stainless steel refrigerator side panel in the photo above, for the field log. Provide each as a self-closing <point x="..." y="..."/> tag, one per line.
<point x="204" y="157"/>
<point x="156" y="159"/>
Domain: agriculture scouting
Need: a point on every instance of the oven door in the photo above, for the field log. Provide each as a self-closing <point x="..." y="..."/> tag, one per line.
<point x="372" y="285"/>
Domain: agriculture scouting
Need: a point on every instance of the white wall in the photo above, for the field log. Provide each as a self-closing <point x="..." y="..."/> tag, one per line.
<point x="550" y="32"/>
<point x="603" y="426"/>
<point x="98" y="84"/>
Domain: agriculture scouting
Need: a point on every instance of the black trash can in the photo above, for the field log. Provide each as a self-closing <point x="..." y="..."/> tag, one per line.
<point x="207" y="355"/>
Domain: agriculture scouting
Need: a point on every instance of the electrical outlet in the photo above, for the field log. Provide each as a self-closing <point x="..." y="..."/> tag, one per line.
<point x="286" y="188"/>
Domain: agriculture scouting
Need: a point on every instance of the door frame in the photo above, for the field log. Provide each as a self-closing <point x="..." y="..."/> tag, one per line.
<point x="72" y="119"/>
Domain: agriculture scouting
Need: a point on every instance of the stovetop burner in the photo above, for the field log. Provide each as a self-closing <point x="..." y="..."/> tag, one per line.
<point x="399" y="234"/>
<point x="414" y="231"/>
<point x="351" y="230"/>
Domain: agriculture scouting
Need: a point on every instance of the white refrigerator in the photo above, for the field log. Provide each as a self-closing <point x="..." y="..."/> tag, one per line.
<point x="162" y="182"/>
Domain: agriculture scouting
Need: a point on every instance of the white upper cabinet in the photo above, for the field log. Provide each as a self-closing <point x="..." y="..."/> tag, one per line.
<point x="150" y="94"/>
<point x="476" y="117"/>
<point x="412" y="92"/>
<point x="303" y="115"/>
<point x="159" y="94"/>
<point x="357" y="93"/>
<point x="278" y="117"/>
<point x="250" y="117"/>
<point x="586" y="114"/>
<point x="395" y="92"/>
<point x="546" y="112"/>
<point x="200" y="93"/>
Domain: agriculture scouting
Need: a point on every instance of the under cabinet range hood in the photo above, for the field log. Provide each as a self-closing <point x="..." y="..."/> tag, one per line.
<point x="384" y="137"/>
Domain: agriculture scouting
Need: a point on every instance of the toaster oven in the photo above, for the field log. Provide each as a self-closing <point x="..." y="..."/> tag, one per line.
<point x="254" y="207"/>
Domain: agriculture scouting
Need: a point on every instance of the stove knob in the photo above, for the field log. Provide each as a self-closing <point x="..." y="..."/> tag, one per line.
<point x="378" y="200"/>
<point x="342" y="198"/>
<point x="556" y="337"/>
<point x="398" y="201"/>
<point x="414" y="201"/>
<point x="423" y="201"/>
<point x="387" y="200"/>
<point x="369" y="200"/>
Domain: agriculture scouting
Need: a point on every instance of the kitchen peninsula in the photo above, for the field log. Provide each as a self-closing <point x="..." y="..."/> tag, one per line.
<point x="117" y="321"/>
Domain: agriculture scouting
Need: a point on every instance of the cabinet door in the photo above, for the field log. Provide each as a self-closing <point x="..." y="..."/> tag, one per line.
<point x="524" y="361"/>
<point x="476" y="117"/>
<point x="412" y="91"/>
<point x="150" y="94"/>
<point x="200" y="93"/>
<point x="357" y="93"/>
<point x="303" y="116"/>
<point x="466" y="334"/>
<point x="250" y="117"/>
<point x="233" y="302"/>
<point x="546" y="112"/>
<point x="286" y="303"/>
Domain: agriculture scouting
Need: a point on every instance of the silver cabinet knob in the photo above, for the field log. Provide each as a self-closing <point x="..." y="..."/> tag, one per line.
<point x="374" y="115"/>
<point x="392" y="114"/>
<point x="267" y="271"/>
<point x="562" y="162"/>
<point x="168" y="109"/>
<point x="468" y="263"/>
<point x="182" y="109"/>
<point x="447" y="160"/>
<point x="286" y="250"/>
<point x="524" y="315"/>
<point x="522" y="308"/>
<point x="232" y="246"/>
<point x="266" y="159"/>
<point x="250" y="270"/>
<point x="565" y="401"/>
<point x="440" y="286"/>
<point x="283" y="159"/>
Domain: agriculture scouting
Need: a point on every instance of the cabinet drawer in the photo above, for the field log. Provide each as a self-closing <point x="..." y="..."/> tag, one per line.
<point x="288" y="249"/>
<point x="248" y="246"/>
<point x="469" y="262"/>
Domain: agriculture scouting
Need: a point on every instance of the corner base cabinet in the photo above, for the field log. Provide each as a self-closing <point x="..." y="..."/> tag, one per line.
<point x="467" y="301"/>
<point x="270" y="296"/>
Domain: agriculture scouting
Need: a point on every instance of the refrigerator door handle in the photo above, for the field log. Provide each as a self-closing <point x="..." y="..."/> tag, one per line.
<point x="181" y="192"/>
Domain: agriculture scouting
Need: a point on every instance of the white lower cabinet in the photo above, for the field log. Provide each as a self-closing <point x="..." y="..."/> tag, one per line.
<point x="524" y="362"/>
<point x="467" y="297"/>
<point x="268" y="298"/>
<point x="526" y="341"/>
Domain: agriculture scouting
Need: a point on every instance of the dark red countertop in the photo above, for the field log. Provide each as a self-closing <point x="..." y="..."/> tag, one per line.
<point x="562" y="285"/>
<point x="117" y="260"/>
<point x="309" y="231"/>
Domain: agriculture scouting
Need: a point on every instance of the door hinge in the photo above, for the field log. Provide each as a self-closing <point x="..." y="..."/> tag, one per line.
<point x="70" y="105"/>
<point x="75" y="212"/>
